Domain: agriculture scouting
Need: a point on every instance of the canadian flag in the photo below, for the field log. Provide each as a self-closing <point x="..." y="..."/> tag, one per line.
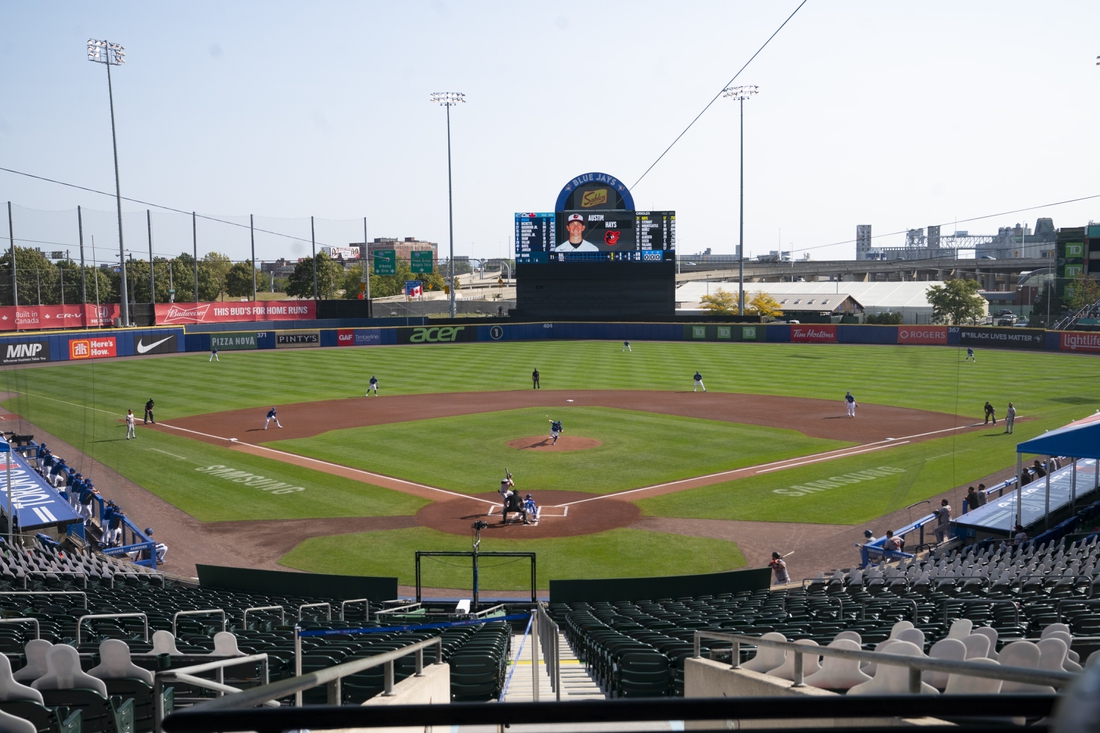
<point x="414" y="289"/>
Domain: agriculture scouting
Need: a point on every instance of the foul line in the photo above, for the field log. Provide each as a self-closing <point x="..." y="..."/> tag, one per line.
<point x="782" y="465"/>
<point x="330" y="464"/>
<point x="158" y="450"/>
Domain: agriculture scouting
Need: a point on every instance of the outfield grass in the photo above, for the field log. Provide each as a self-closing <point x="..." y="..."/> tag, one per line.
<point x="591" y="556"/>
<point x="468" y="453"/>
<point x="83" y="404"/>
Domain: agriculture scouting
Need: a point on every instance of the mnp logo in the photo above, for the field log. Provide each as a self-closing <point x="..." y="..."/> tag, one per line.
<point x="596" y="197"/>
<point x="26" y="353"/>
<point x="436" y="335"/>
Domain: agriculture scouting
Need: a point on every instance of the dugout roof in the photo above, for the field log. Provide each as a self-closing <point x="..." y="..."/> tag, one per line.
<point x="1079" y="439"/>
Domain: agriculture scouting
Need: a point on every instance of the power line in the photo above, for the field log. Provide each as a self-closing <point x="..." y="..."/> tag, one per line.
<point x="962" y="221"/>
<point x="719" y="94"/>
<point x="154" y="206"/>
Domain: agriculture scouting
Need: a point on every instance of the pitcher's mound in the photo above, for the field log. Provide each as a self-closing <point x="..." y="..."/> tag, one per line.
<point x="545" y="443"/>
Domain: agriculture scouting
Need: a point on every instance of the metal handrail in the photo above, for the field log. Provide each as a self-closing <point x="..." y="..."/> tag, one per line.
<point x="978" y="601"/>
<point x="627" y="712"/>
<point x="364" y="601"/>
<point x="188" y="676"/>
<point x="199" y="612"/>
<point x="47" y="593"/>
<point x="37" y="628"/>
<point x="329" y="676"/>
<point x="1083" y="602"/>
<point x="80" y="621"/>
<point x="280" y="609"/>
<point x="916" y="665"/>
<point x="908" y="601"/>
<point x="315" y="605"/>
<point x="549" y="638"/>
<point x="387" y="611"/>
<point x="487" y="611"/>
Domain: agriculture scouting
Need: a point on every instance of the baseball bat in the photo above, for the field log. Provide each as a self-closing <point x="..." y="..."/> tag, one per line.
<point x="789" y="553"/>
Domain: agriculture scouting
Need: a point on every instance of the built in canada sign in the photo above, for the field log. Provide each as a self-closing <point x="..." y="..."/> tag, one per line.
<point x="277" y="310"/>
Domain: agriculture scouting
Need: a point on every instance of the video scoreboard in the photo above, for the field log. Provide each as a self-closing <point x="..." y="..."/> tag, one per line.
<point x="596" y="236"/>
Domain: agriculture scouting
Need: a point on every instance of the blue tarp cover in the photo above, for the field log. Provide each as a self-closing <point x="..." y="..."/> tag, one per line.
<point x="37" y="504"/>
<point x="1080" y="439"/>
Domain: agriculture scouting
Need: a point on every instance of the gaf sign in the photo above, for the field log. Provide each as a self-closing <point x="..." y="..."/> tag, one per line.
<point x="26" y="353"/>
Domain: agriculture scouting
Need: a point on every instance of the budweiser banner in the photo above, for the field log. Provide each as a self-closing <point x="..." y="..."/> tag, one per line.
<point x="37" y="317"/>
<point x="813" y="333"/>
<point x="922" y="334"/>
<point x="275" y="310"/>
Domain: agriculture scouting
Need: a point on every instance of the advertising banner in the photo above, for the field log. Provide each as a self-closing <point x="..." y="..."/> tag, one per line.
<point x="1088" y="343"/>
<point x="369" y="337"/>
<point x="345" y="337"/>
<point x="26" y="352"/>
<point x="155" y="344"/>
<point x="1002" y="338"/>
<point x="922" y="334"/>
<point x="436" y="334"/>
<point x="297" y="339"/>
<point x="813" y="333"/>
<point x="233" y="341"/>
<point x="275" y="310"/>
<point x="93" y="348"/>
<point x="35" y="317"/>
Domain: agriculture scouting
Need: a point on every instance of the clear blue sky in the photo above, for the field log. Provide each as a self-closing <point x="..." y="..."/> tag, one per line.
<point x="896" y="115"/>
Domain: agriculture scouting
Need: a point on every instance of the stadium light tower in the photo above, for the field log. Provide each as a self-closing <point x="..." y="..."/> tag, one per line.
<point x="112" y="54"/>
<point x="741" y="94"/>
<point x="448" y="100"/>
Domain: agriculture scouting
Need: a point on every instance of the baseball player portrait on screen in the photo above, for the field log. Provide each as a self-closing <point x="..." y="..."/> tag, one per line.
<point x="576" y="243"/>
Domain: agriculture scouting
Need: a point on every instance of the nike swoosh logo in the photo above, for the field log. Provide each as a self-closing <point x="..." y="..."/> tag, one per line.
<point x="142" y="348"/>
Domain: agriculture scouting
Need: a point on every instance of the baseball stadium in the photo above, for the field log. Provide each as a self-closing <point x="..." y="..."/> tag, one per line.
<point x="545" y="466"/>
<point x="659" y="506"/>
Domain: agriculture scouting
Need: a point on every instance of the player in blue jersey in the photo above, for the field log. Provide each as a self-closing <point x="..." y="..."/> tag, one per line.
<point x="555" y="430"/>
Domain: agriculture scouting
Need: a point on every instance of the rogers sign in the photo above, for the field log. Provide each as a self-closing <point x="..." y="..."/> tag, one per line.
<point x="279" y="310"/>
<point x="814" y="334"/>
<point x="922" y="335"/>
<point x="1089" y="342"/>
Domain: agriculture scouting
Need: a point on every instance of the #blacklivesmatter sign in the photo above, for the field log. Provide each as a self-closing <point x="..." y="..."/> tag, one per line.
<point x="1002" y="338"/>
<point x="276" y="310"/>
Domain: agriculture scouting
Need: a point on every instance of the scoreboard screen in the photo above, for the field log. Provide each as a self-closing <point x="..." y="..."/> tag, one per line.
<point x="600" y="236"/>
<point x="534" y="233"/>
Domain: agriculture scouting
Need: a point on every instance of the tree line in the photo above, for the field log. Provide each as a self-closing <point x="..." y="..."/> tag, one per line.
<point x="41" y="281"/>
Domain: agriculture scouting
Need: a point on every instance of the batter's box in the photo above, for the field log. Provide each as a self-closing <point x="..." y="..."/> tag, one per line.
<point x="545" y="512"/>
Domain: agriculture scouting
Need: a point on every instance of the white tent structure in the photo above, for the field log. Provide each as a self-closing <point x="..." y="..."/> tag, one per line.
<point x="908" y="298"/>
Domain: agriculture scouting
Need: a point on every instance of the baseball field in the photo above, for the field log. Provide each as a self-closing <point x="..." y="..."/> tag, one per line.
<point x="649" y="478"/>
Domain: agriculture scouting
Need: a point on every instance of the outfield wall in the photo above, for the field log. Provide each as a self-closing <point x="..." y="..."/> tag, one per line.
<point x="81" y="345"/>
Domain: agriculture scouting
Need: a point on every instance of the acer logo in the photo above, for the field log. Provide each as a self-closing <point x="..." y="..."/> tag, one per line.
<point x="444" y="334"/>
